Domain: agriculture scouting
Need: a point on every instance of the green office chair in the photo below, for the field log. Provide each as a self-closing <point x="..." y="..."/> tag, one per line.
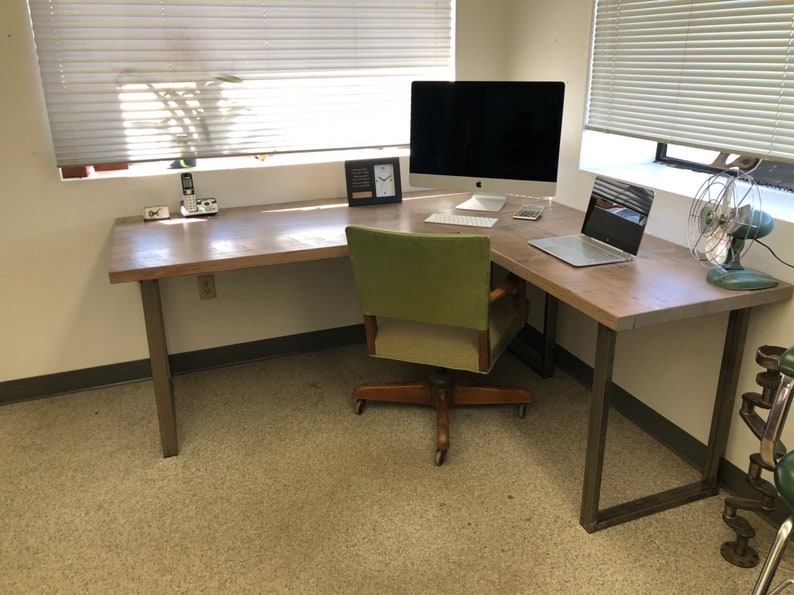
<point x="426" y="299"/>
<point x="784" y="474"/>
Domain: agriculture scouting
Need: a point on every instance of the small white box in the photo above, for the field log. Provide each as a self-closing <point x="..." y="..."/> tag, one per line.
<point x="155" y="213"/>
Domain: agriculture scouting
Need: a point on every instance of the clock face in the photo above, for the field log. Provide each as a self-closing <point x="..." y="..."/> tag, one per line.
<point x="384" y="180"/>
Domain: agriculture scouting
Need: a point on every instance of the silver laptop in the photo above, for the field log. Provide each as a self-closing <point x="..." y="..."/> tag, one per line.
<point x="612" y="230"/>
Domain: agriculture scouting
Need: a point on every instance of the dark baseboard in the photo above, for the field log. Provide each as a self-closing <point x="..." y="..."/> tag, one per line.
<point x="183" y="363"/>
<point x="526" y="347"/>
<point x="684" y="445"/>
<point x="49" y="385"/>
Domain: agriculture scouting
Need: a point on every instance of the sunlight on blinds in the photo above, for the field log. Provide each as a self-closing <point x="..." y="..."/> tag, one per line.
<point x="151" y="80"/>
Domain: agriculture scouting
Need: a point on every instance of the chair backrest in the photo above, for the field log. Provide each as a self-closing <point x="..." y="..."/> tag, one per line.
<point x="436" y="278"/>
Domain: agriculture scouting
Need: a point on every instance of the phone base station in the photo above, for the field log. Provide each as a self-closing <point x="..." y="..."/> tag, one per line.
<point x="204" y="207"/>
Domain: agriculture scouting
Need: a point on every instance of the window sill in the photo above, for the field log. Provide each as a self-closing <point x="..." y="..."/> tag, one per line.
<point x="685" y="184"/>
<point x="631" y="160"/>
<point x="158" y="168"/>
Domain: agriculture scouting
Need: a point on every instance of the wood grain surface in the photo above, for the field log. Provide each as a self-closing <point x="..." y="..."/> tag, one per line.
<point x="662" y="284"/>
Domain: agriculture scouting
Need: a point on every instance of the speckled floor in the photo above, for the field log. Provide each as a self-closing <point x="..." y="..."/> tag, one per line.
<point x="280" y="488"/>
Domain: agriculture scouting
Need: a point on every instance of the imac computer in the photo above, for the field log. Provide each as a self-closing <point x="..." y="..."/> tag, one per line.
<point x="489" y="138"/>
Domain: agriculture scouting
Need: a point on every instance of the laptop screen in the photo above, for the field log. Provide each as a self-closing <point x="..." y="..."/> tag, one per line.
<point x="617" y="214"/>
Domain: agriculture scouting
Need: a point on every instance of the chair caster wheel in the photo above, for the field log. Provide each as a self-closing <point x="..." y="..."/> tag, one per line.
<point x="522" y="410"/>
<point x="359" y="406"/>
<point x="441" y="455"/>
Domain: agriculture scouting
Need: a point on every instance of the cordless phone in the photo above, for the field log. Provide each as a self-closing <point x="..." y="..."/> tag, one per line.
<point x="192" y="206"/>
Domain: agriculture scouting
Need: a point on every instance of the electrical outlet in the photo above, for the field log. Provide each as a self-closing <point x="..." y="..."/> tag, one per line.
<point x="206" y="286"/>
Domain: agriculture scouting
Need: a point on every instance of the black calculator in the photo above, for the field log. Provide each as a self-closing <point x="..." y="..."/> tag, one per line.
<point x="531" y="212"/>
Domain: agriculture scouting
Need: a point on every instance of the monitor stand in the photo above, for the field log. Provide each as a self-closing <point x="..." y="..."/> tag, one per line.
<point x="483" y="202"/>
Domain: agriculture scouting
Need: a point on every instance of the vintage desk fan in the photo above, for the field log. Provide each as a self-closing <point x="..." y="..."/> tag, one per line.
<point x="724" y="220"/>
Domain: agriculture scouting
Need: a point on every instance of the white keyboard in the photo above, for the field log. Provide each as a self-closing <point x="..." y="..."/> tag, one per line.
<point x="467" y="220"/>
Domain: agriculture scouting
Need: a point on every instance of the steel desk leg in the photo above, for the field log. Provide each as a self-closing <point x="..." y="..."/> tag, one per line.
<point x="597" y="426"/>
<point x="593" y="519"/>
<point x="549" y="336"/>
<point x="727" y="385"/>
<point x="161" y="372"/>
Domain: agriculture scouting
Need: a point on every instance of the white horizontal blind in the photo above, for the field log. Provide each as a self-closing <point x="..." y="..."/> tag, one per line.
<point x="715" y="74"/>
<point x="140" y="80"/>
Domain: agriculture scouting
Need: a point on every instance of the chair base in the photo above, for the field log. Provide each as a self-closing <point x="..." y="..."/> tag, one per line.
<point x="441" y="392"/>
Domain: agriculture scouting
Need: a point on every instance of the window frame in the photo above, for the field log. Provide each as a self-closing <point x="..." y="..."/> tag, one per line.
<point x="662" y="157"/>
<point x="760" y="173"/>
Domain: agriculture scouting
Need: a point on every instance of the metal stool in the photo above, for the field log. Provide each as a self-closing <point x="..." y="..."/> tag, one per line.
<point x="784" y="481"/>
<point x="768" y="431"/>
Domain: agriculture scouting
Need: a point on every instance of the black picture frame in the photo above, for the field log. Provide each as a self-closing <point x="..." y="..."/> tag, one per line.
<point x="373" y="181"/>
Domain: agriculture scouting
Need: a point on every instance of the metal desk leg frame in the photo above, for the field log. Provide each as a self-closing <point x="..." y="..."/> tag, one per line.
<point x="549" y="336"/>
<point x="161" y="372"/>
<point x="593" y="519"/>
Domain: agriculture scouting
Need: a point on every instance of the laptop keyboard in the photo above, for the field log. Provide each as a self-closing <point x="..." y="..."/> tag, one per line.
<point x="591" y="250"/>
<point x="579" y="250"/>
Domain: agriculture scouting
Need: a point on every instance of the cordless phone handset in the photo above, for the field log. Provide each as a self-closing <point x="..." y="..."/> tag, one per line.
<point x="188" y="194"/>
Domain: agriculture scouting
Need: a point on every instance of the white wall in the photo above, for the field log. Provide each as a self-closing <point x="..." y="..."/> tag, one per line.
<point x="673" y="368"/>
<point x="482" y="35"/>
<point x="60" y="312"/>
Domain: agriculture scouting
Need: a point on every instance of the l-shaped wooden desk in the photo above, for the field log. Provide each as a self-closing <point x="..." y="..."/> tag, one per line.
<point x="663" y="284"/>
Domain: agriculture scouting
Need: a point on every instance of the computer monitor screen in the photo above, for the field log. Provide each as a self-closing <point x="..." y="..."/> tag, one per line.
<point x="488" y="138"/>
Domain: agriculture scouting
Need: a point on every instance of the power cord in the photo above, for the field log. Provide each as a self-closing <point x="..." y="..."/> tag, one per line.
<point x="773" y="254"/>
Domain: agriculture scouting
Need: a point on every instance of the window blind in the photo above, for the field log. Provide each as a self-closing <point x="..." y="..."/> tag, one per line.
<point x="142" y="80"/>
<point x="716" y="74"/>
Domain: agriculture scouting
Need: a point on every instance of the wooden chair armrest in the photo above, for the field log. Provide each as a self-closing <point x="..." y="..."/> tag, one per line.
<point x="509" y="286"/>
<point x="515" y="286"/>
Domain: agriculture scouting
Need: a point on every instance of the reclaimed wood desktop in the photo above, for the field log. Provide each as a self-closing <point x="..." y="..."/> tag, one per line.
<point x="663" y="284"/>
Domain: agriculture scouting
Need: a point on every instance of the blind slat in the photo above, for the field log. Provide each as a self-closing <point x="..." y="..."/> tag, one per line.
<point x="140" y="80"/>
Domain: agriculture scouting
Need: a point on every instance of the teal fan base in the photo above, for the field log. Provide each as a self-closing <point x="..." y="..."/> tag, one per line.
<point x="739" y="279"/>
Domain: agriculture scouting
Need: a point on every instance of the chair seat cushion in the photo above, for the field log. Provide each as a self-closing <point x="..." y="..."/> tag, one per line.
<point x="445" y="346"/>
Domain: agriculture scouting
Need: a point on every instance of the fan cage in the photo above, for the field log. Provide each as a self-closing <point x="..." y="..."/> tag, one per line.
<point x="725" y="203"/>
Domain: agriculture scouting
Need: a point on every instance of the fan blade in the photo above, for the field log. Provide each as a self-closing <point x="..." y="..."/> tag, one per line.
<point x="728" y="196"/>
<point x="717" y="248"/>
<point x="739" y="217"/>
